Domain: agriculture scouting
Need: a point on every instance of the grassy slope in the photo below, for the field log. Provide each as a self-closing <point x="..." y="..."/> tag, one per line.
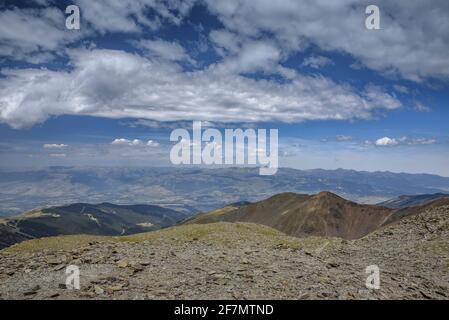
<point x="210" y="216"/>
<point x="223" y="233"/>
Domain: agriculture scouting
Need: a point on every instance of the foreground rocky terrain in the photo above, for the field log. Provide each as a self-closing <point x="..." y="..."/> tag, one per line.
<point x="235" y="261"/>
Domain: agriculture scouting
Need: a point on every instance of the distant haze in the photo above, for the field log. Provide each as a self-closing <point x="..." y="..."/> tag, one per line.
<point x="193" y="189"/>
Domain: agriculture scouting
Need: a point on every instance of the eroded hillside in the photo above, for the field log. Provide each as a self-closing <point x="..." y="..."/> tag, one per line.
<point x="324" y="214"/>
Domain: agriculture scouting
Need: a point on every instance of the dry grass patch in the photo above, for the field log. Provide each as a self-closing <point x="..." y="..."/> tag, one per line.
<point x="219" y="234"/>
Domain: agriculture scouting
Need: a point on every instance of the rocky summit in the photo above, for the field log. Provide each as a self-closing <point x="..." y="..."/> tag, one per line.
<point x="235" y="261"/>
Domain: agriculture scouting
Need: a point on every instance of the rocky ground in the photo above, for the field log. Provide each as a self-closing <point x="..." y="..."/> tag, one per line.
<point x="235" y="261"/>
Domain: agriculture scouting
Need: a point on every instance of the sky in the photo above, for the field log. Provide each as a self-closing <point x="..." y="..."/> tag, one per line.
<point x="110" y="93"/>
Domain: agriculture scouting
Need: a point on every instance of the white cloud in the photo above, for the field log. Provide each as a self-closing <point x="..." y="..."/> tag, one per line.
<point x="316" y="62"/>
<point x="129" y="15"/>
<point x="33" y="35"/>
<point x="116" y="84"/>
<point x="38" y="35"/>
<point x="421" y="141"/>
<point x="126" y="142"/>
<point x="343" y="138"/>
<point x="55" y="146"/>
<point x="382" y="98"/>
<point x="412" y="44"/>
<point x="171" y="51"/>
<point x="401" y="89"/>
<point x="420" y="107"/>
<point x="413" y="41"/>
<point x="226" y="42"/>
<point x="58" y="155"/>
<point x="252" y="56"/>
<point x="134" y="142"/>
<point x="386" y="141"/>
<point x="152" y="143"/>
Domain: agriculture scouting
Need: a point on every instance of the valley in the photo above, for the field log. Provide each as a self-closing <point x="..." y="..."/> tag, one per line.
<point x="193" y="190"/>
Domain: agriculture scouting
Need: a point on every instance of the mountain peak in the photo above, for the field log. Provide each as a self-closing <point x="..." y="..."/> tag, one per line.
<point x="323" y="214"/>
<point x="328" y="194"/>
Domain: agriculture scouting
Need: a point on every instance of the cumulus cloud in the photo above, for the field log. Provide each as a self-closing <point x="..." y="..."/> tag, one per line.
<point x="55" y="146"/>
<point x="413" y="41"/>
<point x="134" y="142"/>
<point x="257" y="36"/>
<point x="386" y="141"/>
<point x="117" y="84"/>
<point x="126" y="142"/>
<point x="153" y="143"/>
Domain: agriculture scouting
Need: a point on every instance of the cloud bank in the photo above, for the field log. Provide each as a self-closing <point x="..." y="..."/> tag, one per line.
<point x="256" y="37"/>
<point x="116" y="84"/>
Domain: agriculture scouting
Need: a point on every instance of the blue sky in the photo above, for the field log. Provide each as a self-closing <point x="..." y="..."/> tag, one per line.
<point x="340" y="95"/>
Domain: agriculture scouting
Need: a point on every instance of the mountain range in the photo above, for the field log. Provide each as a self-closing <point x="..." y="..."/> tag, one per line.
<point x="191" y="190"/>
<point x="412" y="200"/>
<point x="300" y="215"/>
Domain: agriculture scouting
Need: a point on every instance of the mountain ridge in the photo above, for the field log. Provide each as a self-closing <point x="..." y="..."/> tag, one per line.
<point x="83" y="218"/>
<point x="300" y="215"/>
<point x="192" y="190"/>
<point x="412" y="200"/>
<point x="324" y="214"/>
